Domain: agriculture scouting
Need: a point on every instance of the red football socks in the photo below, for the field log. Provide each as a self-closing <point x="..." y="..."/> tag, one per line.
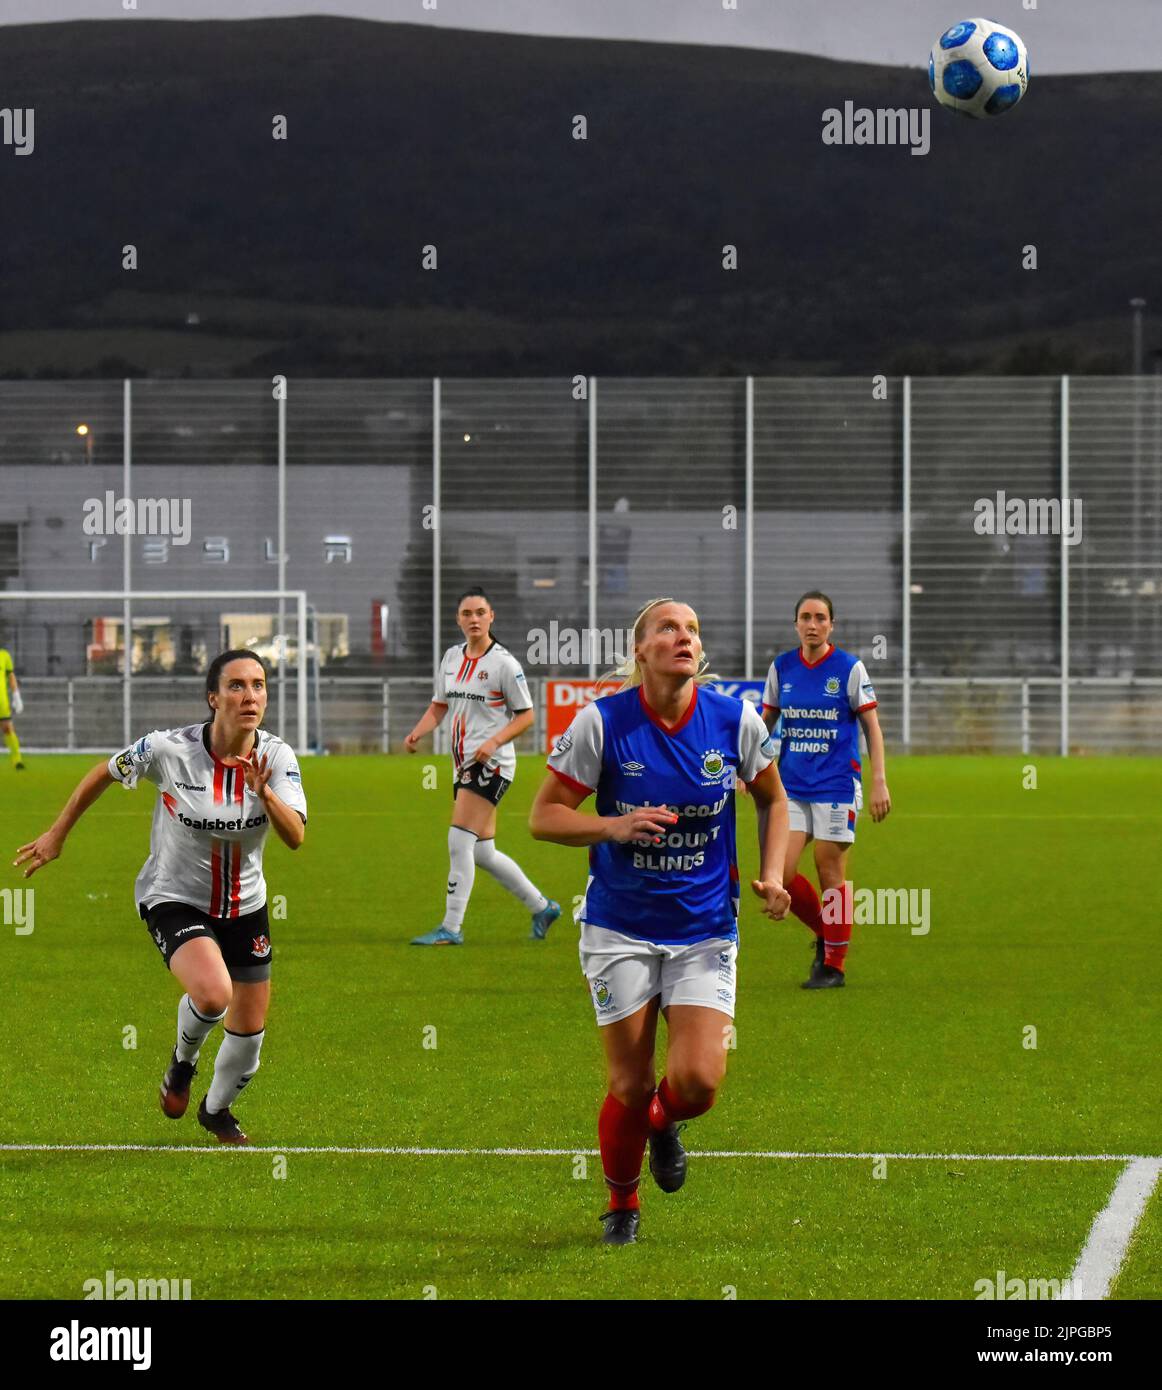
<point x="805" y="903"/>
<point x="666" y="1108"/>
<point x="837" y="929"/>
<point x="622" y="1135"/>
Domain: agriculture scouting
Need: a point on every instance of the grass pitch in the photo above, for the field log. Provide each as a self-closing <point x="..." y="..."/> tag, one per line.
<point x="1035" y="924"/>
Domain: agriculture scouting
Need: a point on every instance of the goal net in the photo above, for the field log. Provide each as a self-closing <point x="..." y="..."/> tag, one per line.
<point x="97" y="669"/>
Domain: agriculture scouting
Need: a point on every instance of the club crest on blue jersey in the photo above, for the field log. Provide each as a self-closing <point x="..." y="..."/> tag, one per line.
<point x="713" y="764"/>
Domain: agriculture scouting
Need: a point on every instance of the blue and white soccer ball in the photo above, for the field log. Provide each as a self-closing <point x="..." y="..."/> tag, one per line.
<point x="979" y="68"/>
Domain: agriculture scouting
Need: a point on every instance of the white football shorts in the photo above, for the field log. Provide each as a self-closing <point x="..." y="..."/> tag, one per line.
<point x="827" y="820"/>
<point x="625" y="972"/>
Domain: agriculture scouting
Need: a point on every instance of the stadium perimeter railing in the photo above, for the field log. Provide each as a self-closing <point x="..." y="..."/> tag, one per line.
<point x="574" y="500"/>
<point x="997" y="715"/>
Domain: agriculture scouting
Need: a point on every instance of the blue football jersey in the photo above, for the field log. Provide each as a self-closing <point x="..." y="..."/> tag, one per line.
<point x="819" y="704"/>
<point x="686" y="889"/>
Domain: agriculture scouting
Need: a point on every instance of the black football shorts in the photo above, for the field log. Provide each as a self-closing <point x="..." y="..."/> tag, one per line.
<point x="475" y="777"/>
<point x="243" y="941"/>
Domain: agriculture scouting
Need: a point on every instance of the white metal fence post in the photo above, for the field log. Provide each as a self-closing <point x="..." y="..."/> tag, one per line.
<point x="592" y="610"/>
<point x="282" y="569"/>
<point x="437" y="551"/>
<point x="906" y="567"/>
<point x="748" y="661"/>
<point x="1064" y="569"/>
<point x="127" y="566"/>
<point x="302" y="674"/>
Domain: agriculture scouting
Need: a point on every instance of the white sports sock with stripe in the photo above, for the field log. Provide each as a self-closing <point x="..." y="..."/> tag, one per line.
<point x="235" y="1064"/>
<point x="461" y="876"/>
<point x="193" y="1029"/>
<point x="509" y="874"/>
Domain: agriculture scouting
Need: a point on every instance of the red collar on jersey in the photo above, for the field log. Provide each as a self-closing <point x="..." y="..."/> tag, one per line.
<point x="822" y="659"/>
<point x="217" y="759"/>
<point x="653" y="717"/>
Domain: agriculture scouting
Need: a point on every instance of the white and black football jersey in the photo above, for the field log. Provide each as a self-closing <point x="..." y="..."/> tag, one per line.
<point x="483" y="694"/>
<point x="205" y="845"/>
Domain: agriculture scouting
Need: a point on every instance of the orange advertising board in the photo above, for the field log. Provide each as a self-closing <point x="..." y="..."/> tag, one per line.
<point x="562" y="701"/>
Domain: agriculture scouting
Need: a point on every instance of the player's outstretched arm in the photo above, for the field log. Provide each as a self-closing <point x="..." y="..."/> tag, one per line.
<point x="881" y="801"/>
<point x="770" y="801"/>
<point x="433" y="715"/>
<point x="47" y="847"/>
<point x="555" y="817"/>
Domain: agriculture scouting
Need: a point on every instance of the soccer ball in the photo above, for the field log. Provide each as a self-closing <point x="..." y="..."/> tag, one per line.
<point x="979" y="68"/>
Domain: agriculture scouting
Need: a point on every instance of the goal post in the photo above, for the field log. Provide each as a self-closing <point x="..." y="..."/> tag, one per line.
<point x="128" y="598"/>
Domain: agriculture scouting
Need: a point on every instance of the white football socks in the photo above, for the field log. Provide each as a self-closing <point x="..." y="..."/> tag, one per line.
<point x="461" y="875"/>
<point x="235" y="1064"/>
<point x="193" y="1029"/>
<point x="509" y="874"/>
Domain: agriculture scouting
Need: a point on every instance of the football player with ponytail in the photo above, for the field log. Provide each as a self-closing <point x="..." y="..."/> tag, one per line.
<point x="222" y="785"/>
<point x="824" y="696"/>
<point x="659" y="930"/>
<point x="483" y="685"/>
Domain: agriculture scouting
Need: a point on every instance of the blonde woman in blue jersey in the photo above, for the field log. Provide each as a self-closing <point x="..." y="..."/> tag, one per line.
<point x="10" y="704"/>
<point x="659" y="918"/>
<point x="483" y="686"/>
<point x="824" y="696"/>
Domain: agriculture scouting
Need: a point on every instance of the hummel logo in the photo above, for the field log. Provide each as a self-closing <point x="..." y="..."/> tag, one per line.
<point x="452" y="882"/>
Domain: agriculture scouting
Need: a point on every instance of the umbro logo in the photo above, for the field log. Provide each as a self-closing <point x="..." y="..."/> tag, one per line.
<point x="634" y="769"/>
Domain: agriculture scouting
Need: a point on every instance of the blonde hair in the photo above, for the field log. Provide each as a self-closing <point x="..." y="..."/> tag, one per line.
<point x="629" y="673"/>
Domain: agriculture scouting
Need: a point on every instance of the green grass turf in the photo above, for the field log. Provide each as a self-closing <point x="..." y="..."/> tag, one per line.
<point x="923" y="1052"/>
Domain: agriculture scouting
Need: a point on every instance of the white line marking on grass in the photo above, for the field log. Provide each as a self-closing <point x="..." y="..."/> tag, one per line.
<point x="417" y="1151"/>
<point x="1109" y="1237"/>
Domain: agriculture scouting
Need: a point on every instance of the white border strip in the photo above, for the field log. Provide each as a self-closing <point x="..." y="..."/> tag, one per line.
<point x="1109" y="1237"/>
<point x="1134" y="1160"/>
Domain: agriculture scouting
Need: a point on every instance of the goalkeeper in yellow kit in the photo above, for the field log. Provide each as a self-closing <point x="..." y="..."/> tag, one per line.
<point x="10" y="704"/>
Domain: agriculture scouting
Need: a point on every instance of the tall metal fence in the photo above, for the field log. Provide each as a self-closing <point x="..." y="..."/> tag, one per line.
<point x="929" y="509"/>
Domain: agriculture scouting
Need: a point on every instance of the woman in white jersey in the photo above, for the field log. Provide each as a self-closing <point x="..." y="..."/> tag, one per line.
<point x="659" y="917"/>
<point x="482" y="683"/>
<point x="222" y="784"/>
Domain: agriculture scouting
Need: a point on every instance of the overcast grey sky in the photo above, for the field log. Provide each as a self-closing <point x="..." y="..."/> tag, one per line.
<point x="1062" y="35"/>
